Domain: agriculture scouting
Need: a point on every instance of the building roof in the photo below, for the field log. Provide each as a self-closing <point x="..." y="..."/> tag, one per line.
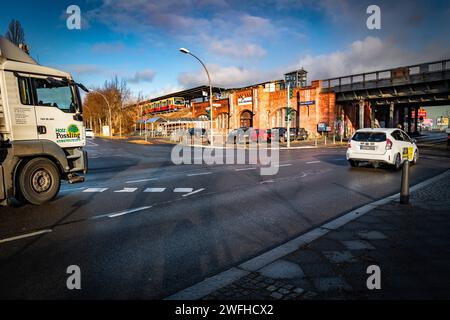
<point x="188" y="94"/>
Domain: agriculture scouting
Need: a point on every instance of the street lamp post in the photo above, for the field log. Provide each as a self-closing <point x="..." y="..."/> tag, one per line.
<point x="109" y="109"/>
<point x="186" y="51"/>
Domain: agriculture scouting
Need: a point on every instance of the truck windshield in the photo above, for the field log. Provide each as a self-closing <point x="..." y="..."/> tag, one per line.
<point x="55" y="94"/>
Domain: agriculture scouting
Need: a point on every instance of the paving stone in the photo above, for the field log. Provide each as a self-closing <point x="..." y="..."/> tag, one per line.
<point x="302" y="256"/>
<point x="313" y="270"/>
<point x="325" y="244"/>
<point x="331" y="284"/>
<point x="339" y="256"/>
<point x="299" y="290"/>
<point x="358" y="245"/>
<point x="283" y="291"/>
<point x="272" y="288"/>
<point x="276" y="295"/>
<point x="282" y="269"/>
<point x="372" y="235"/>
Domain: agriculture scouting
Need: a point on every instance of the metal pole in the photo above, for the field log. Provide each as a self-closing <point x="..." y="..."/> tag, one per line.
<point x="288" y="116"/>
<point x="404" y="193"/>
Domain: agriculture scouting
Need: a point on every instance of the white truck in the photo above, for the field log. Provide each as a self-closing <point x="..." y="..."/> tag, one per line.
<point x="42" y="136"/>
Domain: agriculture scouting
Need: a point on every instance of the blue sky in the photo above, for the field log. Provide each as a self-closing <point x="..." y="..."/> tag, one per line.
<point x="242" y="42"/>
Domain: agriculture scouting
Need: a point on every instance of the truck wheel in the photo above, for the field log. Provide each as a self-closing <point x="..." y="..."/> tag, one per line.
<point x="38" y="181"/>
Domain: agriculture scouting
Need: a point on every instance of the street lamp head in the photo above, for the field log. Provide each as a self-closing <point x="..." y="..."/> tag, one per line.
<point x="184" y="50"/>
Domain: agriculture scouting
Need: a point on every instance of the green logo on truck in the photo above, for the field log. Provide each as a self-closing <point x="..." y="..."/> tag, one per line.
<point x="71" y="134"/>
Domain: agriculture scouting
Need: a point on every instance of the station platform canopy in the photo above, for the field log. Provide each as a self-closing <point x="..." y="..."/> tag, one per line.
<point x="188" y="94"/>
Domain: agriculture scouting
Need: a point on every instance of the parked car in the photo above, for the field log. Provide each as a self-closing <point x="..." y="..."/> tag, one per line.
<point x="295" y="134"/>
<point x="90" y="133"/>
<point x="241" y="135"/>
<point x="259" y="135"/>
<point x="382" y="146"/>
<point x="199" y="133"/>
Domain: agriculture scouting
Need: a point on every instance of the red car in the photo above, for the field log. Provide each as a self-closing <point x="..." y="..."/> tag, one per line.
<point x="258" y="135"/>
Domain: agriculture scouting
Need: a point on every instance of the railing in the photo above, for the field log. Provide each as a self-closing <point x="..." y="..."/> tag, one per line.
<point x="385" y="76"/>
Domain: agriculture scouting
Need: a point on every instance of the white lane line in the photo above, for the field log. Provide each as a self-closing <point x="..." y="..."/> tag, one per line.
<point x="246" y="169"/>
<point x="143" y="180"/>
<point x="199" y="174"/>
<point x="95" y="190"/>
<point x="155" y="190"/>
<point x="72" y="189"/>
<point x="285" y="165"/>
<point x="313" y="162"/>
<point x="126" y="190"/>
<point x="194" y="192"/>
<point x="183" y="190"/>
<point x="28" y="235"/>
<point x="115" y="215"/>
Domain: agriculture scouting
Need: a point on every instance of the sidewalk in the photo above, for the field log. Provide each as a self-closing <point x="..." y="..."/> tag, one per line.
<point x="410" y="244"/>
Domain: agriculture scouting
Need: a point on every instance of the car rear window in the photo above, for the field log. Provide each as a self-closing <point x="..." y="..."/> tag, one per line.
<point x="369" y="137"/>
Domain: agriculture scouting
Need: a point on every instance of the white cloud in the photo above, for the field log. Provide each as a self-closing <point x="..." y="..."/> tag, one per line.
<point x="366" y="55"/>
<point x="235" y="49"/>
<point x="226" y="76"/>
<point x="146" y="75"/>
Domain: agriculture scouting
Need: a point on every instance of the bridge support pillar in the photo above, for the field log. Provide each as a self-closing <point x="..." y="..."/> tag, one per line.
<point x="361" y="114"/>
<point x="409" y="120"/>
<point x="391" y="115"/>
<point x="416" y="120"/>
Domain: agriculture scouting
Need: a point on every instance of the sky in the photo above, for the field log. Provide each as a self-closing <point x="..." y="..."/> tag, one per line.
<point x="242" y="42"/>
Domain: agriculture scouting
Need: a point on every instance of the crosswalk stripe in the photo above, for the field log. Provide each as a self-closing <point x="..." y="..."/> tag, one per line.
<point x="95" y="190"/>
<point x="183" y="190"/>
<point x="154" y="190"/>
<point x="126" y="190"/>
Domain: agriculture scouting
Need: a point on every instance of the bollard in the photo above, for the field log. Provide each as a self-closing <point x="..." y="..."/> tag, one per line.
<point x="316" y="142"/>
<point x="334" y="139"/>
<point x="404" y="193"/>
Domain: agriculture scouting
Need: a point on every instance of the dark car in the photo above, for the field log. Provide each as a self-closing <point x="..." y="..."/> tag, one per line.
<point x="241" y="135"/>
<point x="295" y="134"/>
<point x="199" y="133"/>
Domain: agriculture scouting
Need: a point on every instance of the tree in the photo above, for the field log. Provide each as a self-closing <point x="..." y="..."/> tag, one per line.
<point x="15" y="33"/>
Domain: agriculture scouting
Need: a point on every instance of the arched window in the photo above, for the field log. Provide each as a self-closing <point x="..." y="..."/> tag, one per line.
<point x="246" y="119"/>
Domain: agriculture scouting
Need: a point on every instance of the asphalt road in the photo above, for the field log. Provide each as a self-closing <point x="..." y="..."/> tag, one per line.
<point x="142" y="228"/>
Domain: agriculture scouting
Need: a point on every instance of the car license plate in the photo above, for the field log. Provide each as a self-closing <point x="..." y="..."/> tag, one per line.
<point x="368" y="148"/>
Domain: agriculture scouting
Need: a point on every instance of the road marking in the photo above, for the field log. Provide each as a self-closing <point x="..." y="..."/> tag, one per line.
<point x="284" y="165"/>
<point x="126" y="190"/>
<point x="313" y="162"/>
<point x="183" y="190"/>
<point x="28" y="235"/>
<point x="95" y="190"/>
<point x="72" y="189"/>
<point x="199" y="174"/>
<point x="115" y="215"/>
<point x="246" y="169"/>
<point x="194" y="192"/>
<point x="143" y="180"/>
<point x="155" y="190"/>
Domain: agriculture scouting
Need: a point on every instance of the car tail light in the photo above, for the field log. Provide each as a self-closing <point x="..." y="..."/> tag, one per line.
<point x="349" y="143"/>
<point x="388" y="144"/>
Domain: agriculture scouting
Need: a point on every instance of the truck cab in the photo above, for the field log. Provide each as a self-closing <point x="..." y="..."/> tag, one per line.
<point x="42" y="135"/>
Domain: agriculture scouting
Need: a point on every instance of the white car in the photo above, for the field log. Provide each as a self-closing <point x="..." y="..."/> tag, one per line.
<point x="90" y="133"/>
<point x="389" y="146"/>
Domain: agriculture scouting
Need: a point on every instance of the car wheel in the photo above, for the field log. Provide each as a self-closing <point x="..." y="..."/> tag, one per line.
<point x="38" y="181"/>
<point x="353" y="163"/>
<point x="398" y="162"/>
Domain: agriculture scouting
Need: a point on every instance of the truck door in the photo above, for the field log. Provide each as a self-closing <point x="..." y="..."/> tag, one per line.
<point x="19" y="100"/>
<point x="55" y="105"/>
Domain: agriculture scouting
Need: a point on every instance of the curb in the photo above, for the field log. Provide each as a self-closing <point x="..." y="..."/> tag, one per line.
<point x="223" y="279"/>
